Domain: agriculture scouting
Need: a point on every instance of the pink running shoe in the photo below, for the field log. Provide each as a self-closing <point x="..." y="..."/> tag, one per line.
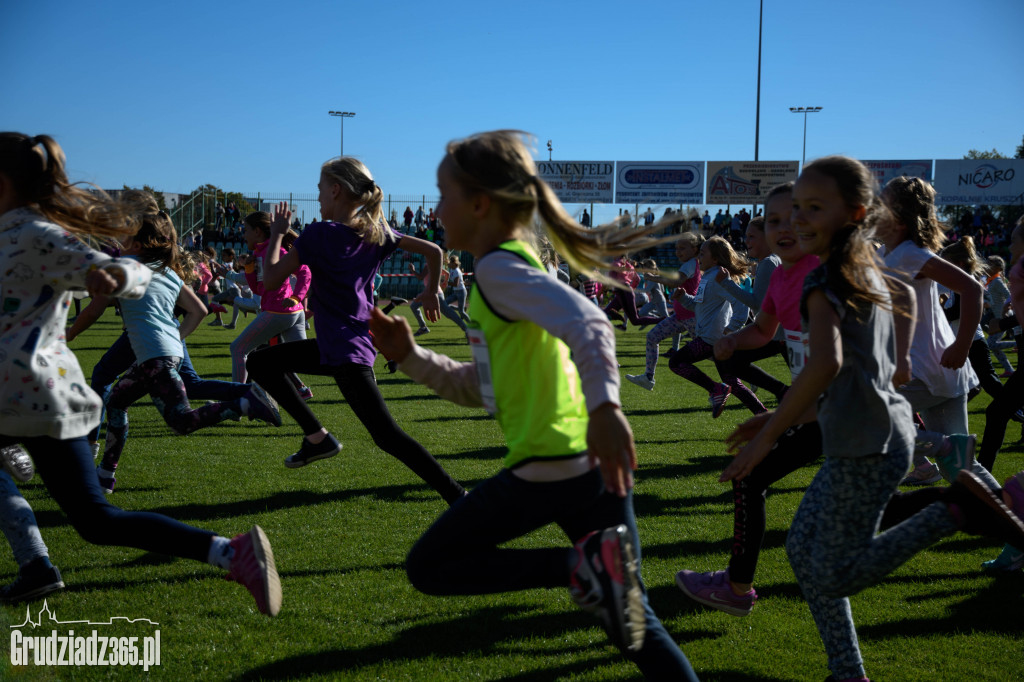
<point x="253" y="566"/>
<point x="713" y="589"/>
<point x="606" y="582"/>
<point x="719" y="394"/>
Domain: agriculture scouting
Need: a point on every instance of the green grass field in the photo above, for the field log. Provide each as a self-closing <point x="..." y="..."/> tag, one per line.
<point x="341" y="529"/>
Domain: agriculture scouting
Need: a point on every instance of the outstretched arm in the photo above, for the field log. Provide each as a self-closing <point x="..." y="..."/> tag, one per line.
<point x="277" y="268"/>
<point x="432" y="252"/>
<point x="823" y="364"/>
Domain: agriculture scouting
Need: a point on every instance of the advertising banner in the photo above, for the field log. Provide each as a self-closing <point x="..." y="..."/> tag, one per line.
<point x="659" y="182"/>
<point x="579" y="182"/>
<point x="978" y="181"/>
<point x="746" y="182"/>
<point x="884" y="171"/>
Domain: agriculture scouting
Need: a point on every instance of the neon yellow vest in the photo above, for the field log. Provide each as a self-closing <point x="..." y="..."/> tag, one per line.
<point x="540" y="403"/>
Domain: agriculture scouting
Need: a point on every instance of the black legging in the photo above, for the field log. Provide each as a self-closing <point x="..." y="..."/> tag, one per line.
<point x="980" y="358"/>
<point x="627" y="300"/>
<point x="269" y="367"/>
<point x="741" y="365"/>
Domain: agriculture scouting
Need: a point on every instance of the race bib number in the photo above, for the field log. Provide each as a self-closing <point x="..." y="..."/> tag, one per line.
<point x="482" y="360"/>
<point x="796" y="351"/>
<point x="699" y="298"/>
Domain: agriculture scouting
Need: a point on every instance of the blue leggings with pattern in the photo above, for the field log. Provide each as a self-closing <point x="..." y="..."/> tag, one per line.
<point x="835" y="552"/>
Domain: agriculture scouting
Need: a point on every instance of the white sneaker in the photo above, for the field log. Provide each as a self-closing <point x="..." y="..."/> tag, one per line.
<point x="17" y="463"/>
<point x="641" y="380"/>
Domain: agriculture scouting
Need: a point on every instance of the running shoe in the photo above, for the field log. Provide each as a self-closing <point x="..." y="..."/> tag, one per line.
<point x="230" y="325"/>
<point x="1009" y="560"/>
<point x="34" y="580"/>
<point x="980" y="511"/>
<point x="421" y="331"/>
<point x="668" y="354"/>
<point x="106" y="483"/>
<point x="253" y="566"/>
<point x="713" y="589"/>
<point x="923" y="475"/>
<point x="641" y="380"/>
<point x="215" y="323"/>
<point x="262" y="406"/>
<point x="606" y="582"/>
<point x="1018" y="416"/>
<point x="960" y="455"/>
<point x="309" y="453"/>
<point x="717" y="397"/>
<point x="306" y="393"/>
<point x="17" y="463"/>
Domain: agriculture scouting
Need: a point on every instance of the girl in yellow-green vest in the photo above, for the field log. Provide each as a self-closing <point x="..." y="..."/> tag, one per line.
<point x="570" y="449"/>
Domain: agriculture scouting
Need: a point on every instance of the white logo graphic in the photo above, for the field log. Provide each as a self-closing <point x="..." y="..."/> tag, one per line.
<point x="89" y="650"/>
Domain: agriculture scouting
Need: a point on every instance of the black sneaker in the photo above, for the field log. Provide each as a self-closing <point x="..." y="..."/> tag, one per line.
<point x="606" y="582"/>
<point x="392" y="366"/>
<point x="982" y="510"/>
<point x="33" y="581"/>
<point x="309" y="453"/>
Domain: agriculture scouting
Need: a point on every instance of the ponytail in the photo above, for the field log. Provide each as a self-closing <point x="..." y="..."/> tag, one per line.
<point x="499" y="164"/>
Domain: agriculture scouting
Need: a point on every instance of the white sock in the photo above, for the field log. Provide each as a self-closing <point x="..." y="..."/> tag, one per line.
<point x="243" y="405"/>
<point x="104" y="472"/>
<point x="221" y="553"/>
<point x="234" y="313"/>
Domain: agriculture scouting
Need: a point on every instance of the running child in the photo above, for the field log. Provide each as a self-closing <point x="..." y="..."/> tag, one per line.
<point x="713" y="311"/>
<point x="458" y="284"/>
<point x="560" y="418"/>
<point x="741" y="364"/>
<point x="847" y="311"/>
<point x="343" y="253"/>
<point x="280" y="309"/>
<point x="732" y="590"/>
<point x="156" y="339"/>
<point x="940" y="378"/>
<point x="41" y="215"/>
<point x="686" y="281"/>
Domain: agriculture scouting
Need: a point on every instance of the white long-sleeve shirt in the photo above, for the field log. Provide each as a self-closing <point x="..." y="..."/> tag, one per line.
<point x="518" y="291"/>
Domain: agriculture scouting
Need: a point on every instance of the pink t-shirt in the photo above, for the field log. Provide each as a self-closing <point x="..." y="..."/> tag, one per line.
<point x="691" y="271"/>
<point x="782" y="300"/>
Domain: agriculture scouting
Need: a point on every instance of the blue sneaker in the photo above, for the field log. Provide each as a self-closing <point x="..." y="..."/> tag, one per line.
<point x="1009" y="560"/>
<point x="958" y="457"/>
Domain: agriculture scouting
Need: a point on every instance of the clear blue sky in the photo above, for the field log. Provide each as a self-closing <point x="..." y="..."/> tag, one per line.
<point x="175" y="95"/>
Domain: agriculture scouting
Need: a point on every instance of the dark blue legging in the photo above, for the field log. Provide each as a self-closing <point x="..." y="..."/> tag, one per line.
<point x="68" y="471"/>
<point x="461" y="553"/>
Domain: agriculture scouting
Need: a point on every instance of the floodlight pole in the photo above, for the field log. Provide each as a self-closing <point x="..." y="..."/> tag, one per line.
<point x="342" y="115"/>
<point x="804" y="111"/>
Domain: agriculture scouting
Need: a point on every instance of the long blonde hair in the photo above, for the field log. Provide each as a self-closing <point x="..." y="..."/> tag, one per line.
<point x="499" y="164"/>
<point x="912" y="202"/>
<point x="356" y="180"/>
<point x="36" y="168"/>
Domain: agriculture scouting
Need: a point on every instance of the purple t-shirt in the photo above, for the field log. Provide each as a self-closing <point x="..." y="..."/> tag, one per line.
<point x="341" y="295"/>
